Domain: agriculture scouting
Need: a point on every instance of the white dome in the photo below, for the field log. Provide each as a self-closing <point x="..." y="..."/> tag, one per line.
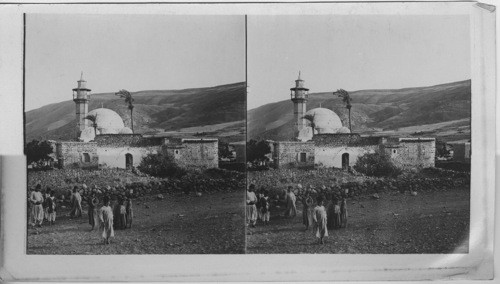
<point x="344" y="130"/>
<point x="125" y="130"/>
<point x="88" y="134"/>
<point x="108" y="121"/>
<point x="325" y="120"/>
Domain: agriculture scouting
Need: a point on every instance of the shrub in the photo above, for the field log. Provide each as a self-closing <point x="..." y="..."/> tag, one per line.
<point x="161" y="164"/>
<point x="38" y="154"/>
<point x="257" y="151"/>
<point x="376" y="164"/>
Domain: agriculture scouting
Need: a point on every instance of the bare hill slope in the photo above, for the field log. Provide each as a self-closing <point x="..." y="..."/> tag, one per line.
<point x="374" y="111"/>
<point x="155" y="111"/>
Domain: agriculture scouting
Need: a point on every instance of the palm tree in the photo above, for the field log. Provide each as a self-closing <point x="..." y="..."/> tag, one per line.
<point x="347" y="100"/>
<point x="93" y="119"/>
<point x="128" y="99"/>
<point x="310" y="119"/>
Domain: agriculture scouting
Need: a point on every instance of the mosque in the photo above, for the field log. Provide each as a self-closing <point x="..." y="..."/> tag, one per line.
<point x="111" y="144"/>
<point x="324" y="141"/>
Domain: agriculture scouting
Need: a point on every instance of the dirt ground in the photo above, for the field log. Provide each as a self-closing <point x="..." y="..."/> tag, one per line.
<point x="210" y="224"/>
<point x="431" y="222"/>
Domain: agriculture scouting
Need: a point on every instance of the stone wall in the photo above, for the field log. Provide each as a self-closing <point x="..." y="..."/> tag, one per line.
<point x="461" y="152"/>
<point x="77" y="154"/>
<point x="111" y="150"/>
<point x="292" y="154"/>
<point x="412" y="153"/>
<point x="331" y="156"/>
<point x="115" y="157"/>
<point x="127" y="140"/>
<point x="202" y="153"/>
<point x="240" y="150"/>
<point x="345" y="139"/>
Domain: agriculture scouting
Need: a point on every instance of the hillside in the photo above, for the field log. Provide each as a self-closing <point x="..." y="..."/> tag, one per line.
<point x="409" y="111"/>
<point x="217" y="111"/>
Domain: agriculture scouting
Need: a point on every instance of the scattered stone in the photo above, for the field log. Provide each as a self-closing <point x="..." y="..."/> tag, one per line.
<point x="160" y="196"/>
<point x="376" y="196"/>
<point x="414" y="193"/>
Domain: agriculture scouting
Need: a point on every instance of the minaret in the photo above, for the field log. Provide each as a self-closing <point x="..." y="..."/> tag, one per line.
<point x="81" y="97"/>
<point x="299" y="95"/>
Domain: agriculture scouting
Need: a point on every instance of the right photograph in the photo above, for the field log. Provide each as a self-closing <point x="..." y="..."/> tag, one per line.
<point x="358" y="134"/>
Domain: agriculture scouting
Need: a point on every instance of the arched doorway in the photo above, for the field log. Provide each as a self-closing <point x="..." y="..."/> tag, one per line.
<point x="129" y="161"/>
<point x="345" y="161"/>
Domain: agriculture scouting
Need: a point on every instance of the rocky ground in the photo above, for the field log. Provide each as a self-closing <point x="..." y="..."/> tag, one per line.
<point x="395" y="223"/>
<point x="178" y="224"/>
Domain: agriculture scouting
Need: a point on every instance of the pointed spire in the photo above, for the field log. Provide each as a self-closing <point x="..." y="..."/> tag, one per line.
<point x="299" y="76"/>
<point x="81" y="76"/>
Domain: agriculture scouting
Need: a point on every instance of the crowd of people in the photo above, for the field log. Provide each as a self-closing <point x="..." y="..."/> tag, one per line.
<point x="323" y="208"/>
<point x="43" y="205"/>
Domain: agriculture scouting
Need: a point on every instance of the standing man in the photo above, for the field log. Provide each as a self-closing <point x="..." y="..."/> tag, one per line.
<point x="291" y="209"/>
<point x="76" y="203"/>
<point x="36" y="199"/>
<point x="251" y="207"/>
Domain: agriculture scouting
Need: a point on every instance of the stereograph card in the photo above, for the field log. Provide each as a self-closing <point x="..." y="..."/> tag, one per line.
<point x="320" y="141"/>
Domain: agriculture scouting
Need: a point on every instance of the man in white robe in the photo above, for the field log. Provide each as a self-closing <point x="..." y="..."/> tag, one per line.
<point x="36" y="199"/>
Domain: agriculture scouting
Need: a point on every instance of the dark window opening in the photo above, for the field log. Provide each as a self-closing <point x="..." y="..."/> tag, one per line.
<point x="86" y="158"/>
<point x="129" y="161"/>
<point x="303" y="157"/>
<point x="345" y="161"/>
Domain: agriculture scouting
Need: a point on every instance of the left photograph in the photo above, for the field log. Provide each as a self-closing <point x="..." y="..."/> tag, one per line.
<point x="135" y="130"/>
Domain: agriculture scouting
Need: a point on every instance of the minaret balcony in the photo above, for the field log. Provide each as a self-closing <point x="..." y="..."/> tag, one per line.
<point x="81" y="96"/>
<point x="299" y="95"/>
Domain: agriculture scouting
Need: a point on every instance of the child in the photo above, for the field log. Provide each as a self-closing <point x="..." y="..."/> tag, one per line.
<point x="343" y="213"/>
<point x="45" y="204"/>
<point x="264" y="206"/>
<point x="336" y="214"/>
<point x="116" y="213"/>
<point x="319" y="217"/>
<point x="307" y="210"/>
<point x="130" y="213"/>
<point x="51" y="208"/>
<point x="106" y="218"/>
<point x="92" y="201"/>
<point x="31" y="216"/>
<point x="123" y="215"/>
<point x="259" y="195"/>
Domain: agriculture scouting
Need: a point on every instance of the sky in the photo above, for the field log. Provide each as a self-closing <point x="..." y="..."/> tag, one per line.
<point x="132" y="52"/>
<point x="354" y="53"/>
